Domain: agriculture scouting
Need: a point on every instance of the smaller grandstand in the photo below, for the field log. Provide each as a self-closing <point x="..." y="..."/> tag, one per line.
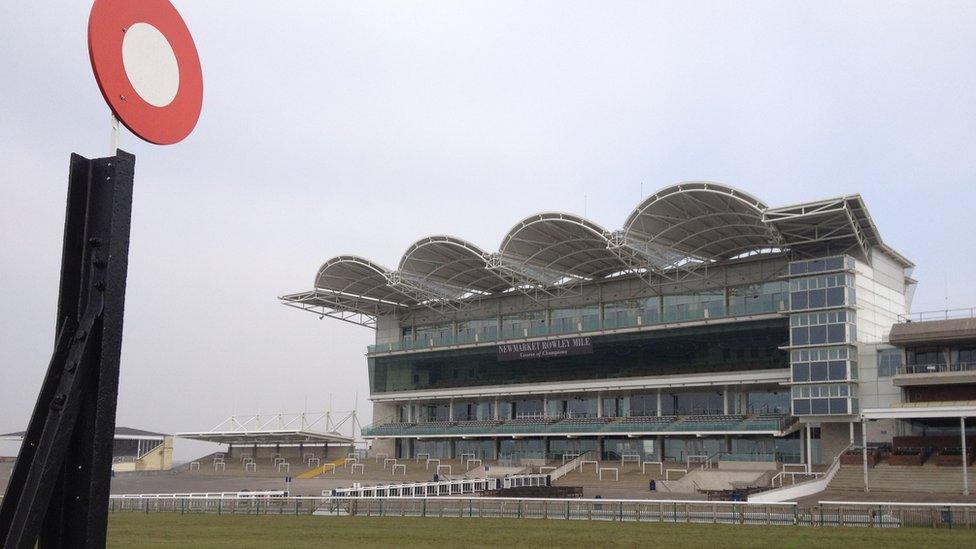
<point x="275" y="444"/>
<point x="133" y="449"/>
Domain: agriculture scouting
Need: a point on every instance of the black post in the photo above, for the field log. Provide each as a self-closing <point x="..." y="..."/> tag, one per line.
<point x="58" y="493"/>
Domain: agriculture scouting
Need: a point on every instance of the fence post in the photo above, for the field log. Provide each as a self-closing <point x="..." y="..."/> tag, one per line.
<point x="423" y="511"/>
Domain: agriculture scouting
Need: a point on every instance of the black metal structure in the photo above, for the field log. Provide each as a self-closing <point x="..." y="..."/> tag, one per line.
<point x="58" y="493"/>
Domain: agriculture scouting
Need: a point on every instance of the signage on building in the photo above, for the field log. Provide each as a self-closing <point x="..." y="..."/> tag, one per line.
<point x="545" y="349"/>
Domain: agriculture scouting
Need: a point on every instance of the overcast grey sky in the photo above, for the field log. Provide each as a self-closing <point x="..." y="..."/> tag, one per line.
<point x="358" y="127"/>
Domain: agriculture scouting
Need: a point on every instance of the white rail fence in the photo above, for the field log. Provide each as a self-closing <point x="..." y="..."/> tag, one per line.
<point x="825" y="513"/>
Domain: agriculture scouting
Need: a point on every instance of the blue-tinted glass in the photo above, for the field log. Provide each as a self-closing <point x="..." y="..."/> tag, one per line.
<point x="801" y="336"/>
<point x="801" y="372"/>
<point x="818" y="335"/>
<point x="818" y="299"/>
<point x="819" y="406"/>
<point x="838" y="369"/>
<point x="835" y="297"/>
<point x="818" y="371"/>
<point x="838" y="406"/>
<point x="798" y="300"/>
<point x="835" y="333"/>
<point x="801" y="407"/>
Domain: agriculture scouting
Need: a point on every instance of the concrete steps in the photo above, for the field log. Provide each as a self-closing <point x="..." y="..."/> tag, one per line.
<point x="928" y="478"/>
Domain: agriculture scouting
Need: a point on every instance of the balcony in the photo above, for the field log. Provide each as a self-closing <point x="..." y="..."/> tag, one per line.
<point x="935" y="374"/>
<point x="619" y="320"/>
<point x="634" y="425"/>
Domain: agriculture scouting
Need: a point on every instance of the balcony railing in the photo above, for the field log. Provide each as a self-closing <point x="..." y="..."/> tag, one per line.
<point x="917" y="369"/>
<point x="944" y="314"/>
<point x="632" y="424"/>
<point x="589" y="323"/>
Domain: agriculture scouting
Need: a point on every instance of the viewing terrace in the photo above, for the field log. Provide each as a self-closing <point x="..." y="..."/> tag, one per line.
<point x="762" y="304"/>
<point x="651" y="425"/>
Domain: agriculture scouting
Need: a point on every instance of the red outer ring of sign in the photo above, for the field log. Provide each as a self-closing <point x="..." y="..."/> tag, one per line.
<point x="106" y="29"/>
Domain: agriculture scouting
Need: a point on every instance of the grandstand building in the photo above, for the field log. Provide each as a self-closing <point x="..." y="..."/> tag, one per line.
<point x="710" y="325"/>
<point x="132" y="449"/>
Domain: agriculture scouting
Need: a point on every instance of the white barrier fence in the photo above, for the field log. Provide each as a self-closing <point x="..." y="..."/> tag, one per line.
<point x="859" y="514"/>
<point x="415" y="489"/>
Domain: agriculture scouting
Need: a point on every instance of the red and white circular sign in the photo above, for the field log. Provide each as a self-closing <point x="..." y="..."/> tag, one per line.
<point x="147" y="67"/>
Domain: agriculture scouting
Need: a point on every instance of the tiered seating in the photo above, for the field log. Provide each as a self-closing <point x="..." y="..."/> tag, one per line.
<point x="525" y="425"/>
<point x="388" y="428"/>
<point x="477" y="426"/>
<point x="708" y="423"/>
<point x="763" y="422"/>
<point x="580" y="424"/>
<point x="643" y="423"/>
<point x="431" y="427"/>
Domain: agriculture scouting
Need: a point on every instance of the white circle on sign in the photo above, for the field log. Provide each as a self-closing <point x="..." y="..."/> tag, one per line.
<point x="150" y="64"/>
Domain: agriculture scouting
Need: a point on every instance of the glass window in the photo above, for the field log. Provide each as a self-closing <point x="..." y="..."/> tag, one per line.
<point x="434" y="412"/>
<point x="706" y="349"/>
<point x="889" y="362"/>
<point x="925" y="355"/>
<point x="523" y="448"/>
<point x="465" y="411"/>
<point x="694" y="306"/>
<point x="643" y="405"/>
<point x="528" y="408"/>
<point x="581" y="407"/>
<point x="574" y="320"/>
<point x="759" y="298"/>
<point x="485" y="329"/>
<point x="619" y="314"/>
<point x="523" y="324"/>
<point x="505" y="410"/>
<point x="801" y="372"/>
<point x="819" y="406"/>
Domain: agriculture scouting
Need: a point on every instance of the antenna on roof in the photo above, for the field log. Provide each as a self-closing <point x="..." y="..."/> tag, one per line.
<point x="946" y="281"/>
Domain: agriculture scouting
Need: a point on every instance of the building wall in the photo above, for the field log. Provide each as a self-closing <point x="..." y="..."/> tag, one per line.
<point x="834" y="437"/>
<point x="882" y="296"/>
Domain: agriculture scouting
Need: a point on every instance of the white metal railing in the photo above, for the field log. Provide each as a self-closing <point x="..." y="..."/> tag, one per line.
<point x="206" y="495"/>
<point x="824" y="513"/>
<point x="518" y="481"/>
<point x="804" y="488"/>
<point x="778" y="479"/>
<point x="944" y="314"/>
<point x="415" y="489"/>
<point x="569" y="466"/>
<point x="938" y="367"/>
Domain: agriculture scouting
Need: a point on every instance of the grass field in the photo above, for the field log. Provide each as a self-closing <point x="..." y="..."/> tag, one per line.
<point x="202" y="531"/>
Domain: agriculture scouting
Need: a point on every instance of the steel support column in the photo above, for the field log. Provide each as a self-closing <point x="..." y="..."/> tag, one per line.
<point x="57" y="495"/>
<point x="965" y="465"/>
<point x="864" y="453"/>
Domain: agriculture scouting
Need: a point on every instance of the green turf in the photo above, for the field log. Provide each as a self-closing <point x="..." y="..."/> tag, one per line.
<point x="202" y="531"/>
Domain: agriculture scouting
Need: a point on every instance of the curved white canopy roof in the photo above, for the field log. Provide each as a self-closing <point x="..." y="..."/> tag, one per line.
<point x="559" y="246"/>
<point x="452" y="262"/>
<point x="704" y="220"/>
<point x="678" y="227"/>
<point x="355" y="276"/>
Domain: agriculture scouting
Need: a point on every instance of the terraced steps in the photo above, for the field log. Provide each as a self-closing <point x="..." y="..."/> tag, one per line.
<point x="928" y="478"/>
